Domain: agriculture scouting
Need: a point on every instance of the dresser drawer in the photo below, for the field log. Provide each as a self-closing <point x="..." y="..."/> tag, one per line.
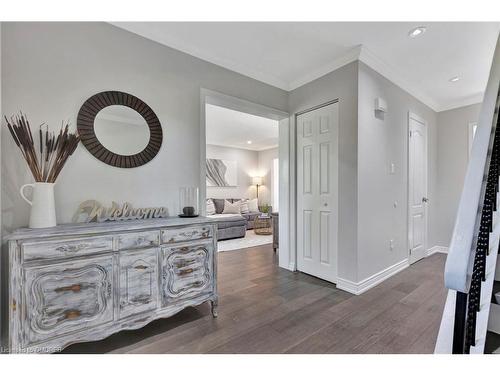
<point x="65" y="248"/>
<point x="138" y="240"/>
<point x="186" y="271"/>
<point x="169" y="236"/>
<point x="66" y="297"/>
<point x="138" y="281"/>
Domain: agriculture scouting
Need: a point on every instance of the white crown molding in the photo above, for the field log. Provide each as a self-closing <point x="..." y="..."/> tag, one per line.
<point x="360" y="53"/>
<point x="348" y="58"/>
<point x="394" y="75"/>
<point x="178" y="45"/>
<point x="473" y="99"/>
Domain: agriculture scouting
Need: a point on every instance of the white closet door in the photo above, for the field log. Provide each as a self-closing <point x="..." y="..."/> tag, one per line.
<point x="417" y="188"/>
<point x="317" y="192"/>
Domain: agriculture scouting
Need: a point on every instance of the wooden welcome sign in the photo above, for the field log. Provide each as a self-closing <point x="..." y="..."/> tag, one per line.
<point x="93" y="211"/>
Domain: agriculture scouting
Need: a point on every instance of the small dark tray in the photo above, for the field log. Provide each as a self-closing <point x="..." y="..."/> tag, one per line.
<point x="182" y="215"/>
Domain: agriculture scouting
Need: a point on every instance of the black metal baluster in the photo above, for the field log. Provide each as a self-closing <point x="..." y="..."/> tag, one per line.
<point x="468" y="305"/>
<point x="459" y="325"/>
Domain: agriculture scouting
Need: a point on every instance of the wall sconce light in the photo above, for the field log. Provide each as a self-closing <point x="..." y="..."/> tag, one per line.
<point x="380" y="105"/>
<point x="257" y="181"/>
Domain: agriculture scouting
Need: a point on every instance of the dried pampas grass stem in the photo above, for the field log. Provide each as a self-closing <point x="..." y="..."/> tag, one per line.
<point x="53" y="150"/>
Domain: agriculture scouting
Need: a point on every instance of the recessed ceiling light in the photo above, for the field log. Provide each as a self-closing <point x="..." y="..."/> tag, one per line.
<point x="417" y="31"/>
<point x="454" y="79"/>
<point x="249" y="142"/>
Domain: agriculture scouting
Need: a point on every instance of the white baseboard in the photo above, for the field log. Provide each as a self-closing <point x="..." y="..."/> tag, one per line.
<point x="436" y="249"/>
<point x="368" y="283"/>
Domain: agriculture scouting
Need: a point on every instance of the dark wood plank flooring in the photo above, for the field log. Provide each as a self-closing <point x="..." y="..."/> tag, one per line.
<point x="265" y="309"/>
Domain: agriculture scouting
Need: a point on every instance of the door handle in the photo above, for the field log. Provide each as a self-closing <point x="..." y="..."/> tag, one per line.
<point x="425" y="200"/>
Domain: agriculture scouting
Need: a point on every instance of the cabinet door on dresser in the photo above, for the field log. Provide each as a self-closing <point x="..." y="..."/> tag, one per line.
<point x="66" y="297"/>
<point x="186" y="271"/>
<point x="138" y="281"/>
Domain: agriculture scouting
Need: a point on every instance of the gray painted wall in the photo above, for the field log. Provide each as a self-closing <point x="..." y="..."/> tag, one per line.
<point x="50" y="69"/>
<point x="341" y="84"/>
<point x="250" y="163"/>
<point x="382" y="140"/>
<point x="453" y="156"/>
<point x="368" y="219"/>
<point x="248" y="166"/>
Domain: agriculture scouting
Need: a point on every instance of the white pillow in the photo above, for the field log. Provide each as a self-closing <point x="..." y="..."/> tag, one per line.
<point x="231" y="208"/>
<point x="253" y="205"/>
<point x="244" y="206"/>
<point x="210" y="207"/>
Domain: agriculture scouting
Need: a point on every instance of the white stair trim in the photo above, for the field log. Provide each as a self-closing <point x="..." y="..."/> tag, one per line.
<point x="444" y="341"/>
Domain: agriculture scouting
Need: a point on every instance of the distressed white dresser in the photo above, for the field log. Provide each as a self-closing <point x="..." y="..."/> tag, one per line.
<point x="83" y="282"/>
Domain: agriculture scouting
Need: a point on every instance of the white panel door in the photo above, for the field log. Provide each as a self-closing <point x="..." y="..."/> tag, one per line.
<point x="417" y="188"/>
<point x="317" y="192"/>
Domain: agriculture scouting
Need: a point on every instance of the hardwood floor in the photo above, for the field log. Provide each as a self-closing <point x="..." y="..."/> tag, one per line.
<point x="265" y="309"/>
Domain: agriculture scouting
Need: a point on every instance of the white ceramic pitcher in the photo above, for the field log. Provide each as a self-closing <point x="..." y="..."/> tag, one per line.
<point x="43" y="210"/>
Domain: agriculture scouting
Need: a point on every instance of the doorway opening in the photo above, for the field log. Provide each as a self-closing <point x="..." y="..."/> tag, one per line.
<point x="241" y="167"/>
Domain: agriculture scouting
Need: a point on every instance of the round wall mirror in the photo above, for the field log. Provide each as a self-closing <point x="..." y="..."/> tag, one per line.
<point x="119" y="129"/>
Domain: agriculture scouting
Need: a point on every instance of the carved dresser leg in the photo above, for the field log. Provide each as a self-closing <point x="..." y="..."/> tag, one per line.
<point x="214" y="304"/>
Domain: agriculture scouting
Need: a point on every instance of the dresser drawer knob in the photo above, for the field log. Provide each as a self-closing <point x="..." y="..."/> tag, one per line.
<point x="141" y="267"/>
<point x="189" y="234"/>
<point x="71" y="248"/>
<point x="186" y="271"/>
<point x="72" y="314"/>
<point x="184" y="263"/>
<point x="75" y="288"/>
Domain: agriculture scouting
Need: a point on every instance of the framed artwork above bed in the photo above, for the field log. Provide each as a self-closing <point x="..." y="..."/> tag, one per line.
<point x="222" y="173"/>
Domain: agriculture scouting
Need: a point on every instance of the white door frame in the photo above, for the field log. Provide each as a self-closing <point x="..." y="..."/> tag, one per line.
<point x="286" y="186"/>
<point x="416" y="117"/>
<point x="293" y="187"/>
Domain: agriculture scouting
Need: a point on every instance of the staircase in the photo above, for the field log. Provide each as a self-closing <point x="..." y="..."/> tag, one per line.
<point x="471" y="319"/>
<point x="493" y="335"/>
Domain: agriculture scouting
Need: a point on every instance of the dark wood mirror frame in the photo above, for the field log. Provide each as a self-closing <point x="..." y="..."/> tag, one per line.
<point x="85" y="125"/>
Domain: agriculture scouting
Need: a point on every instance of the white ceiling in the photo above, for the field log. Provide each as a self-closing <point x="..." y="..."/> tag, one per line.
<point x="290" y="54"/>
<point x="226" y="127"/>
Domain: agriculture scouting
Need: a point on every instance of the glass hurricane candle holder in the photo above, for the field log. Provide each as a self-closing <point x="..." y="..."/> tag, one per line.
<point x="188" y="201"/>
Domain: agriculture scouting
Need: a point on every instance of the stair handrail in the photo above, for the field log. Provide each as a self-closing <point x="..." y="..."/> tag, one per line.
<point x="459" y="263"/>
